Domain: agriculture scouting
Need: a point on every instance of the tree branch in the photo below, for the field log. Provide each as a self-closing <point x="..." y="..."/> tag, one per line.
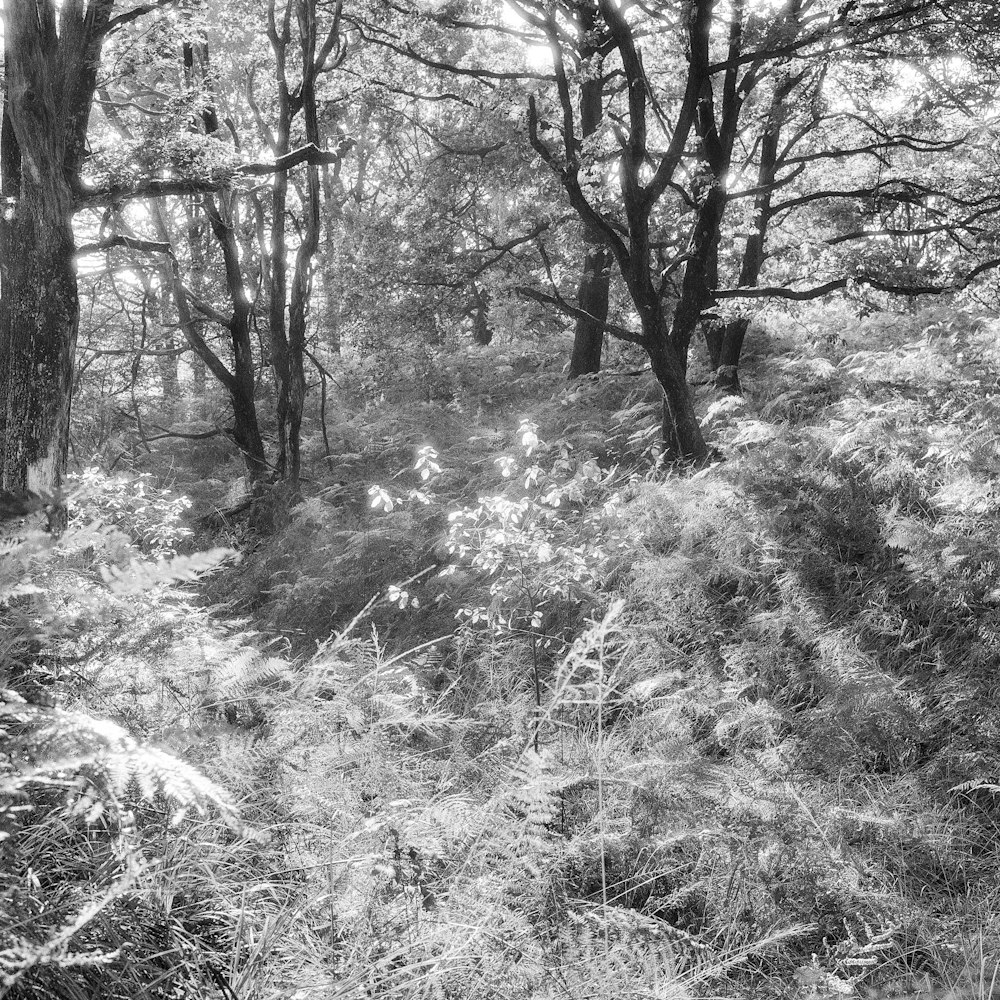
<point x="132" y="242"/>
<point x="310" y="154"/>
<point x="128" y="16"/>
<point x="560" y="303"/>
<point x="873" y="281"/>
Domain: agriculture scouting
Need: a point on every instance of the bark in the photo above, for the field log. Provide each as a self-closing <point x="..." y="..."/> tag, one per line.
<point x="717" y="135"/>
<point x="162" y="340"/>
<point x="682" y="437"/>
<point x="297" y="324"/>
<point x="713" y="328"/>
<point x="242" y="382"/>
<point x="195" y="230"/>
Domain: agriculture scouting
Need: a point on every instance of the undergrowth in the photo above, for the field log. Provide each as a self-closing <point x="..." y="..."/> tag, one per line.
<point x="525" y="715"/>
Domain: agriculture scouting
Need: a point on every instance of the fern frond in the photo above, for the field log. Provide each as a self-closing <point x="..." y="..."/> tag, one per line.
<point x="140" y="576"/>
<point x="100" y="761"/>
<point x="247" y="673"/>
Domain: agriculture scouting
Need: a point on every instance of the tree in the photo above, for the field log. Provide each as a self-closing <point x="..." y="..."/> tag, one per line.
<point x="828" y="157"/>
<point x="51" y="55"/>
<point x="587" y="41"/>
<point x="628" y="236"/>
<point x="317" y="51"/>
<point x="227" y="242"/>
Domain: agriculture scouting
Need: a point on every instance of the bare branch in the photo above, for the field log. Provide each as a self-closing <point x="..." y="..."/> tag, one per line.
<point x="132" y="242"/>
<point x="560" y="303"/>
<point x="128" y="16"/>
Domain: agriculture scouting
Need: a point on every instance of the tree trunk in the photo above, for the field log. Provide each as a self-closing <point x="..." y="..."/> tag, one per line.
<point x="727" y="377"/>
<point x="297" y="325"/>
<point x="713" y="329"/>
<point x="682" y="437"/>
<point x="715" y="333"/>
<point x="39" y="318"/>
<point x="698" y="286"/>
<point x="595" y="281"/>
<point x="278" y="298"/>
<point x="51" y="55"/>
<point x="592" y="298"/>
<point x="316" y="53"/>
<point x="482" y="332"/>
<point x="240" y="382"/>
<point x="727" y="374"/>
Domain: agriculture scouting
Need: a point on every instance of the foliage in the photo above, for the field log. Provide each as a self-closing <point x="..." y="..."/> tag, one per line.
<point x="83" y="802"/>
<point x="150" y="515"/>
<point x="755" y="759"/>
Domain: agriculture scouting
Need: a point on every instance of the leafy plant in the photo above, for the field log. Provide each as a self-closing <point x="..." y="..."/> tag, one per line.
<point x="151" y="516"/>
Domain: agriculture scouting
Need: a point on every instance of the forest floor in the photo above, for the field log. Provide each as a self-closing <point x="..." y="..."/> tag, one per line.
<point x="509" y="711"/>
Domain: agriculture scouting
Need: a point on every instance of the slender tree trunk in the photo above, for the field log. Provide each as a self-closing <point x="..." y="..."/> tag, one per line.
<point x="278" y="298"/>
<point x="288" y="338"/>
<point x="727" y="377"/>
<point x="297" y="324"/>
<point x="595" y="281"/>
<point x="195" y="231"/>
<point x="697" y="289"/>
<point x="162" y="339"/>
<point x="482" y="332"/>
<point x="239" y="383"/>
<point x="242" y="384"/>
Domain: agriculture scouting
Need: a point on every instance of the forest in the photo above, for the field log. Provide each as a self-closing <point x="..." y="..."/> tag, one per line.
<point x="497" y="500"/>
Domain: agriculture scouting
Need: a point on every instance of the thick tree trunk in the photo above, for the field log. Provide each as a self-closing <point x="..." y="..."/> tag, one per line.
<point x="682" y="437"/>
<point x="727" y="373"/>
<point x="51" y="55"/>
<point x="39" y="317"/>
<point x="713" y="329"/>
<point x="592" y="298"/>
<point x="715" y="334"/>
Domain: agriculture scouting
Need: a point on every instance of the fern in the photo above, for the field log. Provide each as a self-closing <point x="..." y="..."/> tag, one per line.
<point x="97" y="762"/>
<point x="140" y="576"/>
